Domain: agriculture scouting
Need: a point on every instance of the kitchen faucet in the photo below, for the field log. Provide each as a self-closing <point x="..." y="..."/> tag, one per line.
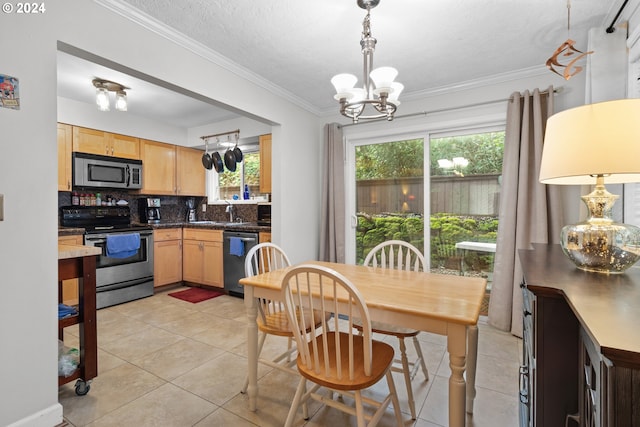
<point x="229" y="210"/>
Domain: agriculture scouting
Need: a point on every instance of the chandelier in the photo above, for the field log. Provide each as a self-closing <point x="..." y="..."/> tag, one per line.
<point x="379" y="94"/>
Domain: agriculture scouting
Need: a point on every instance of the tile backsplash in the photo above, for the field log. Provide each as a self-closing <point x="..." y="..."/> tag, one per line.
<point x="173" y="208"/>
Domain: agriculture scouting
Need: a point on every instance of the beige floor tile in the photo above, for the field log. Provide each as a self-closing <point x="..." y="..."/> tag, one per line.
<point x="109" y="391"/>
<point x="193" y="323"/>
<point x="147" y="341"/>
<point x="224" y="333"/>
<point x="217" y="380"/>
<point x="276" y="391"/>
<point x="176" y="359"/>
<point x="167" y="405"/>
<point x="222" y="417"/>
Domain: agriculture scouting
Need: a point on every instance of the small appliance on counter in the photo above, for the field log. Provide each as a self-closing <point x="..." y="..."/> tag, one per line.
<point x="191" y="209"/>
<point x="149" y="210"/>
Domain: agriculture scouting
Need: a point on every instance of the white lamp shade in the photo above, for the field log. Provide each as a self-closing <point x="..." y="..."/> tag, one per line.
<point x="383" y="77"/>
<point x="121" y="101"/>
<point x="343" y="83"/>
<point x="357" y="94"/>
<point x="594" y="139"/>
<point x="396" y="90"/>
<point x="102" y="99"/>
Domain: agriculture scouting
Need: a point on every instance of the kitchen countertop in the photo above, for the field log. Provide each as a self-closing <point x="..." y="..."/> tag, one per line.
<point x="77" y="251"/>
<point x="208" y="225"/>
<point x="214" y="225"/>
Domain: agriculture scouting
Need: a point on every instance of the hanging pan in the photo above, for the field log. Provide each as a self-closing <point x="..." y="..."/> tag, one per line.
<point x="237" y="151"/>
<point x="217" y="162"/>
<point x="207" y="161"/>
<point x="230" y="160"/>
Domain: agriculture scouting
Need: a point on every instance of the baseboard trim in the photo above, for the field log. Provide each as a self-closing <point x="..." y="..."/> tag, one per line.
<point x="51" y="416"/>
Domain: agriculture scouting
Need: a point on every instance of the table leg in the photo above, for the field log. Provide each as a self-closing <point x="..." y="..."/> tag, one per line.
<point x="252" y="346"/>
<point x="457" y="347"/>
<point x="472" y="359"/>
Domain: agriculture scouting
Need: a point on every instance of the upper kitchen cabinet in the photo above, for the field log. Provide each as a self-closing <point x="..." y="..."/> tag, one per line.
<point x="265" y="163"/>
<point x="104" y="143"/>
<point x="190" y="174"/>
<point x="158" y="167"/>
<point x="171" y="170"/>
<point x="64" y="157"/>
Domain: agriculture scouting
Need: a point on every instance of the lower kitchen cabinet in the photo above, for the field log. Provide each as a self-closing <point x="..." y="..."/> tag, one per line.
<point x="264" y="237"/>
<point x="69" y="287"/>
<point x="167" y="252"/>
<point x="202" y="261"/>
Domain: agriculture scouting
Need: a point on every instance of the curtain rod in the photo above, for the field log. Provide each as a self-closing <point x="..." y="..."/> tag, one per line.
<point x="611" y="27"/>
<point x="221" y="134"/>
<point x="442" y="110"/>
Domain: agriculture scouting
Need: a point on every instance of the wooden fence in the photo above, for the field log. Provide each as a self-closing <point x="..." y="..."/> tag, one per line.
<point x="468" y="195"/>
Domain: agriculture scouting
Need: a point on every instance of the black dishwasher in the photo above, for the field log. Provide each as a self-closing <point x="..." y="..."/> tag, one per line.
<point x="234" y="256"/>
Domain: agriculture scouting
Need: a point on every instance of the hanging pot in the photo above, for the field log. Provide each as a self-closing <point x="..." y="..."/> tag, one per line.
<point x="230" y="160"/>
<point x="217" y="162"/>
<point x="207" y="161"/>
<point x="238" y="154"/>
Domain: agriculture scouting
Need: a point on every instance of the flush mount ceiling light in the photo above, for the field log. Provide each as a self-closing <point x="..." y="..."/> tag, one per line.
<point x="567" y="51"/>
<point x="103" y="87"/>
<point x="379" y="91"/>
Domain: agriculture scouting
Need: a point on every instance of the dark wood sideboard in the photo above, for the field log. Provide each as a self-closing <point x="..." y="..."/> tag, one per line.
<point x="581" y="344"/>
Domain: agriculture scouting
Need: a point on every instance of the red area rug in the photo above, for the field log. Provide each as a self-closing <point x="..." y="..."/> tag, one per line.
<point x="195" y="295"/>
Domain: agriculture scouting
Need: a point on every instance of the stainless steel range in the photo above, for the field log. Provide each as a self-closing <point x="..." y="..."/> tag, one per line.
<point x="119" y="277"/>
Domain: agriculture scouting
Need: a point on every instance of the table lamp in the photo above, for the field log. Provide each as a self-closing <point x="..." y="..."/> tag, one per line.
<point x="592" y="144"/>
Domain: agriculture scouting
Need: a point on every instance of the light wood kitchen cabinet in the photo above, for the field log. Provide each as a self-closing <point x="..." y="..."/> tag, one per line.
<point x="94" y="141"/>
<point x="64" y="157"/>
<point x="69" y="287"/>
<point x="202" y="257"/>
<point x="159" y="167"/>
<point x="167" y="253"/>
<point x="190" y="174"/>
<point x="264" y="237"/>
<point x="171" y="169"/>
<point x="265" y="163"/>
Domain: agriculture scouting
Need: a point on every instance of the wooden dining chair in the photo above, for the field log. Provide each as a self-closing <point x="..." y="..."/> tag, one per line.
<point x="272" y="319"/>
<point x="335" y="356"/>
<point x="400" y="255"/>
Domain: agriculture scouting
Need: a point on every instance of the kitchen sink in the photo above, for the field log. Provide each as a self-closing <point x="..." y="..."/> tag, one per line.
<point x="219" y="223"/>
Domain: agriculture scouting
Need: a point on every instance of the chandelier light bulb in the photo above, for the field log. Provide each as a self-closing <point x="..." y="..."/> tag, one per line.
<point x="383" y="78"/>
<point x="121" y="101"/>
<point x="396" y="90"/>
<point x="102" y="98"/>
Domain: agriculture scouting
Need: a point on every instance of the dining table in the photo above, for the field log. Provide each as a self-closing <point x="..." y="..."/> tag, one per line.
<point x="443" y="304"/>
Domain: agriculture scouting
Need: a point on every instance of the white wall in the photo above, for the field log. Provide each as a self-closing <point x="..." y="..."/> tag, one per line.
<point x="28" y="233"/>
<point x="28" y="173"/>
<point x="82" y="114"/>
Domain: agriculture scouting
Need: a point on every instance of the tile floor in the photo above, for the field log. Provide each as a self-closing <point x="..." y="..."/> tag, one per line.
<point x="167" y="362"/>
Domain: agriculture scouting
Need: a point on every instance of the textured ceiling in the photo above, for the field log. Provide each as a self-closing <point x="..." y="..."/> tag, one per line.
<point x="298" y="45"/>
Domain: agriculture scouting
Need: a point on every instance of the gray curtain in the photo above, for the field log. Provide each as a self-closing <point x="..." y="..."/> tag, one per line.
<point x="530" y="212"/>
<point x="332" y="242"/>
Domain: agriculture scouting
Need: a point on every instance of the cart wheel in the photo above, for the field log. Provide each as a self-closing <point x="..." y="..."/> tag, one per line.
<point x="82" y="387"/>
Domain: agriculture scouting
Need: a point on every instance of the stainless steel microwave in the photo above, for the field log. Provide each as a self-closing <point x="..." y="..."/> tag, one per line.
<point x="92" y="170"/>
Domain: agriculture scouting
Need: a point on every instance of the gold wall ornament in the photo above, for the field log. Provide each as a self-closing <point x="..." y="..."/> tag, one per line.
<point x="566" y="50"/>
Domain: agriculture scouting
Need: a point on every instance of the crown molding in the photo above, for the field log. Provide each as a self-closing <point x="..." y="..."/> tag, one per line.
<point x="135" y="15"/>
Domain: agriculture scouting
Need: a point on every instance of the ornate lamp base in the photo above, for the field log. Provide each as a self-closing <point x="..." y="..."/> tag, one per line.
<point x="599" y="244"/>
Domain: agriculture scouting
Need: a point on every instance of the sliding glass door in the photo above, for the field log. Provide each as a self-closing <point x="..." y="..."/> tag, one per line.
<point x="440" y="193"/>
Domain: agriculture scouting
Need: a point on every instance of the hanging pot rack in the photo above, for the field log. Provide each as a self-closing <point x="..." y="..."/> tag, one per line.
<point x="232" y="157"/>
